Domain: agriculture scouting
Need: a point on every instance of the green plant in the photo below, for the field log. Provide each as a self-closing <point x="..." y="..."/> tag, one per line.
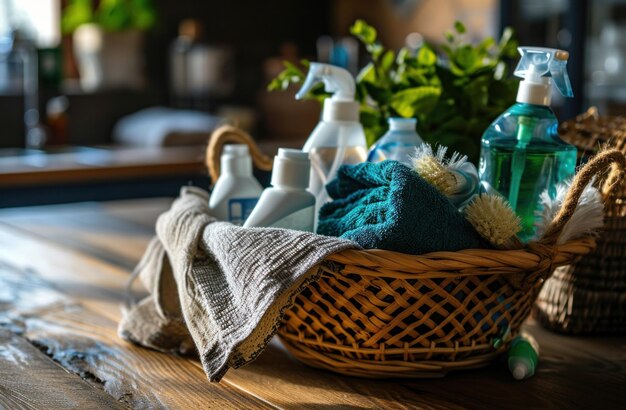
<point x="112" y="15"/>
<point x="454" y="96"/>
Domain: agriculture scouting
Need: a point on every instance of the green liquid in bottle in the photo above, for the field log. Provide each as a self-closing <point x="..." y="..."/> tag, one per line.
<point x="521" y="170"/>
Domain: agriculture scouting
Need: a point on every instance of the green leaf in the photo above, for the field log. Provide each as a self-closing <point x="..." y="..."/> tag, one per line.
<point x="426" y="56"/>
<point x="364" y="32"/>
<point x="367" y="73"/>
<point x="459" y="27"/>
<point x="403" y="55"/>
<point x="113" y="15"/>
<point x="387" y="61"/>
<point x="375" y="50"/>
<point x="290" y="75"/>
<point x="465" y="57"/>
<point x="486" y="44"/>
<point x="380" y="94"/>
<point x="420" y="100"/>
<point x="77" y="13"/>
<point x="507" y="43"/>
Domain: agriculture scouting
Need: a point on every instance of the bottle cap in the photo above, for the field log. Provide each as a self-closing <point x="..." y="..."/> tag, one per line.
<point x="520" y="371"/>
<point x="339" y="110"/>
<point x="402" y="124"/>
<point x="236" y="160"/>
<point x="236" y="150"/>
<point x="291" y="169"/>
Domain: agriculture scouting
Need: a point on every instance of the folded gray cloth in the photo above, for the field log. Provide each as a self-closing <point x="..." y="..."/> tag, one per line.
<point x="218" y="287"/>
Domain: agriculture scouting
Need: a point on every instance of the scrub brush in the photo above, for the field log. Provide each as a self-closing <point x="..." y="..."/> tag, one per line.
<point x="454" y="177"/>
<point x="494" y="220"/>
<point x="587" y="219"/>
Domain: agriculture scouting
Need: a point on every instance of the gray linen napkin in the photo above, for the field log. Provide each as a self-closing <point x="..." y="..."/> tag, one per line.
<point x="218" y="287"/>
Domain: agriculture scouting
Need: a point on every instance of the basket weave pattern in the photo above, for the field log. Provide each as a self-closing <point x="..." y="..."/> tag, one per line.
<point x="590" y="296"/>
<point x="385" y="314"/>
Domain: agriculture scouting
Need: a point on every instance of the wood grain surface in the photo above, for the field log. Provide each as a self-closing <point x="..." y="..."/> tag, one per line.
<point x="86" y="344"/>
<point x="574" y="372"/>
<point x="31" y="380"/>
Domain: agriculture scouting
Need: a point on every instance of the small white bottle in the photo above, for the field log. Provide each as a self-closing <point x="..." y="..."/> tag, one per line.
<point x="287" y="204"/>
<point x="236" y="191"/>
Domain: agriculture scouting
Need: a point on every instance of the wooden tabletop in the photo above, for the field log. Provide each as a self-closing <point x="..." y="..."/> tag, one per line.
<point x="97" y="164"/>
<point x="62" y="275"/>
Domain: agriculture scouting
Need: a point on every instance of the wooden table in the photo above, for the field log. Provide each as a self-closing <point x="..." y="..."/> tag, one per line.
<point x="99" y="164"/>
<point x="62" y="275"/>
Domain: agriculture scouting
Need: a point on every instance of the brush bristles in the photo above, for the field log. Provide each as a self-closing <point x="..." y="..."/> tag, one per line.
<point x="494" y="220"/>
<point x="436" y="174"/>
<point x="587" y="219"/>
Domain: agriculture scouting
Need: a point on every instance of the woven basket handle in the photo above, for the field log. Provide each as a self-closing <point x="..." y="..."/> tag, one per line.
<point x="228" y="134"/>
<point x="595" y="167"/>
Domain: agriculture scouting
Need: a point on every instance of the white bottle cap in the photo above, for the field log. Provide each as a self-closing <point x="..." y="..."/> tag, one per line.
<point x="520" y="371"/>
<point x="402" y="124"/>
<point x="236" y="160"/>
<point x="237" y="150"/>
<point x="291" y="169"/>
<point x="340" y="110"/>
<point x="537" y="91"/>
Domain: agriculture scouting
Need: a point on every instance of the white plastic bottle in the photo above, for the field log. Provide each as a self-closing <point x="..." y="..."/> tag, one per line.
<point x="287" y="204"/>
<point x="339" y="138"/>
<point x="236" y="191"/>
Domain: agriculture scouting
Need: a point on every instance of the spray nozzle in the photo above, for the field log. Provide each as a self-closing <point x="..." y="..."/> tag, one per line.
<point x="538" y="63"/>
<point x="337" y="81"/>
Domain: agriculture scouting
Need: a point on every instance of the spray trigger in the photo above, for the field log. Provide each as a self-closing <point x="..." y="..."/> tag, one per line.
<point x="337" y="81"/>
<point x="538" y="63"/>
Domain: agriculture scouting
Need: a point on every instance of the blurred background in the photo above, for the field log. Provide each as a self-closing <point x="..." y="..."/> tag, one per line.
<point x="108" y="99"/>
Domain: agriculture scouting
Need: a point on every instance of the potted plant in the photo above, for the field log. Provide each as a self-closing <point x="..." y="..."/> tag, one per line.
<point x="454" y="95"/>
<point x="107" y="40"/>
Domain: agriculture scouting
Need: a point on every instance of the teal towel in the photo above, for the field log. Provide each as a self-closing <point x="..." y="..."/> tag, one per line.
<point x="386" y="205"/>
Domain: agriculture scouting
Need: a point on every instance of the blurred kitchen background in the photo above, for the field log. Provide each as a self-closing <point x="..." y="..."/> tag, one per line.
<point x="121" y="107"/>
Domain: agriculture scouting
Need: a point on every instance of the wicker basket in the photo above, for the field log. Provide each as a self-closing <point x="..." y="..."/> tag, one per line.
<point x="376" y="313"/>
<point x="590" y="296"/>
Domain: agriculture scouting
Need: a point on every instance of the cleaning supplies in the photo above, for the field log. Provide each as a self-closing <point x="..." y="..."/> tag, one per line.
<point x="385" y="205"/>
<point x="494" y="220"/>
<point x="522" y="154"/>
<point x="454" y="177"/>
<point x="399" y="143"/>
<point x="236" y="191"/>
<point x="523" y="357"/>
<point x="339" y="138"/>
<point x="287" y="204"/>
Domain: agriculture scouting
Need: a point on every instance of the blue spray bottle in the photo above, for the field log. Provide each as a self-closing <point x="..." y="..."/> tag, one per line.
<point x="521" y="152"/>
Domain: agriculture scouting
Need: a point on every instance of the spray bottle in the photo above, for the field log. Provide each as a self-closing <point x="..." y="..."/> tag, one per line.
<point x="339" y="138"/>
<point x="522" y="154"/>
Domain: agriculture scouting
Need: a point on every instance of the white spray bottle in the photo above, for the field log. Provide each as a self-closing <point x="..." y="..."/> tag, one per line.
<point x="339" y="138"/>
